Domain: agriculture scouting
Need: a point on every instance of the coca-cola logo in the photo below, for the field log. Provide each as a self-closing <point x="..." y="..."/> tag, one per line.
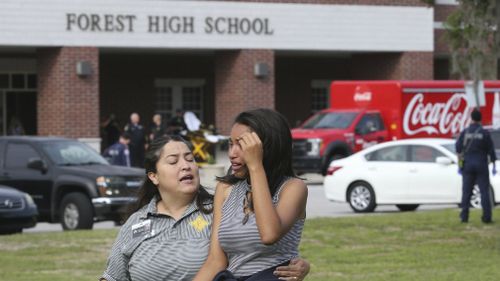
<point x="449" y="117"/>
<point x="362" y="95"/>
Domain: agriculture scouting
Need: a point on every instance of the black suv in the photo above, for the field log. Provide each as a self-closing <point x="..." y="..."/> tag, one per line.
<point x="68" y="180"/>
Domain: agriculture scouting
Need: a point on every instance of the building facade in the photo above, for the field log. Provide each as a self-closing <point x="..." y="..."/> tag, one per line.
<point x="67" y="65"/>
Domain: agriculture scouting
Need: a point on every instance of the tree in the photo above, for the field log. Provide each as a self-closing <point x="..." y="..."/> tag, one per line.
<point x="470" y="32"/>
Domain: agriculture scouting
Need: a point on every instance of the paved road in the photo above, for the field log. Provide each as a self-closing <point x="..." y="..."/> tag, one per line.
<point x="317" y="206"/>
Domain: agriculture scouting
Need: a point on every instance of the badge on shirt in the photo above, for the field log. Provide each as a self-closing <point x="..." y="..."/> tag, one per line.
<point x="199" y="223"/>
<point x="141" y="229"/>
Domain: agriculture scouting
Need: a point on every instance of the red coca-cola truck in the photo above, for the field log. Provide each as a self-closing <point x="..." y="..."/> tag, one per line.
<point x="363" y="113"/>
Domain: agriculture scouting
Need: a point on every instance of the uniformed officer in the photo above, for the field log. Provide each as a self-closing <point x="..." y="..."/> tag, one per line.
<point x="476" y="145"/>
<point x="119" y="153"/>
<point x="137" y="140"/>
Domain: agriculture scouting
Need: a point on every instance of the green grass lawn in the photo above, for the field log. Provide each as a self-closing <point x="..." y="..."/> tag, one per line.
<point x="430" y="245"/>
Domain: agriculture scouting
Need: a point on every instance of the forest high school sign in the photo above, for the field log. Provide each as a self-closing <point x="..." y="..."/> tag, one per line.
<point x="215" y="25"/>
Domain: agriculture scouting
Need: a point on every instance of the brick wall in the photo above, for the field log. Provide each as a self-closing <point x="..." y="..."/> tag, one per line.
<point x="68" y="105"/>
<point x="236" y="87"/>
<point x="441" y="12"/>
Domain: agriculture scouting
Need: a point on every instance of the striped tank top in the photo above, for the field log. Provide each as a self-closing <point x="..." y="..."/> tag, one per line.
<point x="241" y="242"/>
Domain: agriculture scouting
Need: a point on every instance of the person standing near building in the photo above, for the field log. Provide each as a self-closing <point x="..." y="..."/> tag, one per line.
<point x="476" y="145"/>
<point x="176" y="124"/>
<point x="16" y="127"/>
<point x="111" y="130"/>
<point x="157" y="129"/>
<point x="137" y="140"/>
<point x="119" y="153"/>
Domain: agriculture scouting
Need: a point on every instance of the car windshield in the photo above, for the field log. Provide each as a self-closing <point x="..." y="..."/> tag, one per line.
<point x="72" y="153"/>
<point x="450" y="147"/>
<point x="330" y="120"/>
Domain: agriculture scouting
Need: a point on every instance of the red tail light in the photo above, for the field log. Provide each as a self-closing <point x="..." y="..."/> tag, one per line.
<point x="332" y="169"/>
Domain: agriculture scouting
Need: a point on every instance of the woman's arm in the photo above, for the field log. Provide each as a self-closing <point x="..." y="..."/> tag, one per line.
<point x="216" y="260"/>
<point x="273" y="222"/>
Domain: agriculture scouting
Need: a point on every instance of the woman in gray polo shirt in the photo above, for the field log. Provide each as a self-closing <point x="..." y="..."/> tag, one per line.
<point x="167" y="236"/>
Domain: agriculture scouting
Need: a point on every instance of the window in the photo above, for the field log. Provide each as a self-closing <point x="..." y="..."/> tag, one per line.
<point x="397" y="153"/>
<point x="320" y="95"/>
<point x="69" y="153"/>
<point x="18" y="81"/>
<point x="32" y="81"/>
<point x="184" y="94"/>
<point x="192" y="100"/>
<point x="164" y="104"/>
<point x="423" y="153"/>
<point x="331" y="120"/>
<point x="370" y="123"/>
<point x="4" y="81"/>
<point x="19" y="154"/>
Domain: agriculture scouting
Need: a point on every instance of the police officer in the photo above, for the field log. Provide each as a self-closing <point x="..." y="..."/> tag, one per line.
<point x="119" y="153"/>
<point x="137" y="140"/>
<point x="476" y="144"/>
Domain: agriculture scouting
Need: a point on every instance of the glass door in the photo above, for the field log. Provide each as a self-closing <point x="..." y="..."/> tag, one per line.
<point x="184" y="94"/>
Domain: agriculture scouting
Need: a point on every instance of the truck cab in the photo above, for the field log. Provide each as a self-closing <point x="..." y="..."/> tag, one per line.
<point x="333" y="134"/>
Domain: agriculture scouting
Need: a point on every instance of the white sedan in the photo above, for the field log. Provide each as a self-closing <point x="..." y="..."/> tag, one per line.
<point x="405" y="173"/>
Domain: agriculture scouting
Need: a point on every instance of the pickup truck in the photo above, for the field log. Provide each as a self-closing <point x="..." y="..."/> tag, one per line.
<point x="68" y="180"/>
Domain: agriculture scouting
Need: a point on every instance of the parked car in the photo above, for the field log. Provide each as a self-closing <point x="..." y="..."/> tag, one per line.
<point x="68" y="180"/>
<point x="495" y="136"/>
<point x="17" y="210"/>
<point x="405" y="173"/>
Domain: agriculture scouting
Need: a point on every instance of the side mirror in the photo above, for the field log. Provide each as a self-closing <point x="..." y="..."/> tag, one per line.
<point x="37" y="164"/>
<point x="357" y="131"/>
<point x="444" y="160"/>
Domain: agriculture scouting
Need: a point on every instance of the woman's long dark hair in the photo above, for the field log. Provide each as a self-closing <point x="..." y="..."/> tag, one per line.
<point x="148" y="190"/>
<point x="274" y="133"/>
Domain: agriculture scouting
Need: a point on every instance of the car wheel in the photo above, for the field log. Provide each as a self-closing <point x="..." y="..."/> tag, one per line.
<point x="407" y="207"/>
<point x="361" y="197"/>
<point x="76" y="212"/>
<point x="475" y="199"/>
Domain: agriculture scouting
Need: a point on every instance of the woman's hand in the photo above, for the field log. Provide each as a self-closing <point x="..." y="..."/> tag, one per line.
<point x="295" y="271"/>
<point x="252" y="149"/>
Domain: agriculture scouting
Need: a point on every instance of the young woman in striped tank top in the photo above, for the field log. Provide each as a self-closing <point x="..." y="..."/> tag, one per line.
<point x="259" y="207"/>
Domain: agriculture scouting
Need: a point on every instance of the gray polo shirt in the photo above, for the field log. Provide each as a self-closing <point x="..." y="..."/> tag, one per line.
<point x="152" y="246"/>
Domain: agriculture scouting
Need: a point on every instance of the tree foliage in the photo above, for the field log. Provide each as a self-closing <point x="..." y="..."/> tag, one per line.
<point x="470" y="33"/>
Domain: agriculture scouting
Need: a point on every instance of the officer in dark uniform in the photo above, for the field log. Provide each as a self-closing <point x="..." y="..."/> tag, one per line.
<point x="118" y="153"/>
<point x="476" y="144"/>
<point x="137" y="140"/>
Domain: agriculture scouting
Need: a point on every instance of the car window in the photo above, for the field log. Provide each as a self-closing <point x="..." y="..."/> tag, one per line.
<point x="450" y="147"/>
<point x="331" y="120"/>
<point x="424" y="153"/>
<point x="396" y="153"/>
<point x="370" y="123"/>
<point x="72" y="153"/>
<point x="18" y="155"/>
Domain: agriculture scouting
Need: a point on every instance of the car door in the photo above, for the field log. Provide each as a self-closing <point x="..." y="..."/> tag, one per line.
<point x="17" y="174"/>
<point x="388" y="169"/>
<point x="369" y="131"/>
<point x="432" y="182"/>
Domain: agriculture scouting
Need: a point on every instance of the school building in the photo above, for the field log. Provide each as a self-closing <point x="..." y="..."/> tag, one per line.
<point x="66" y="65"/>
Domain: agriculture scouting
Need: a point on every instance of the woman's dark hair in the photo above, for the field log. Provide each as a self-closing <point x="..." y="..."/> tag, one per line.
<point x="274" y="133"/>
<point x="148" y="190"/>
